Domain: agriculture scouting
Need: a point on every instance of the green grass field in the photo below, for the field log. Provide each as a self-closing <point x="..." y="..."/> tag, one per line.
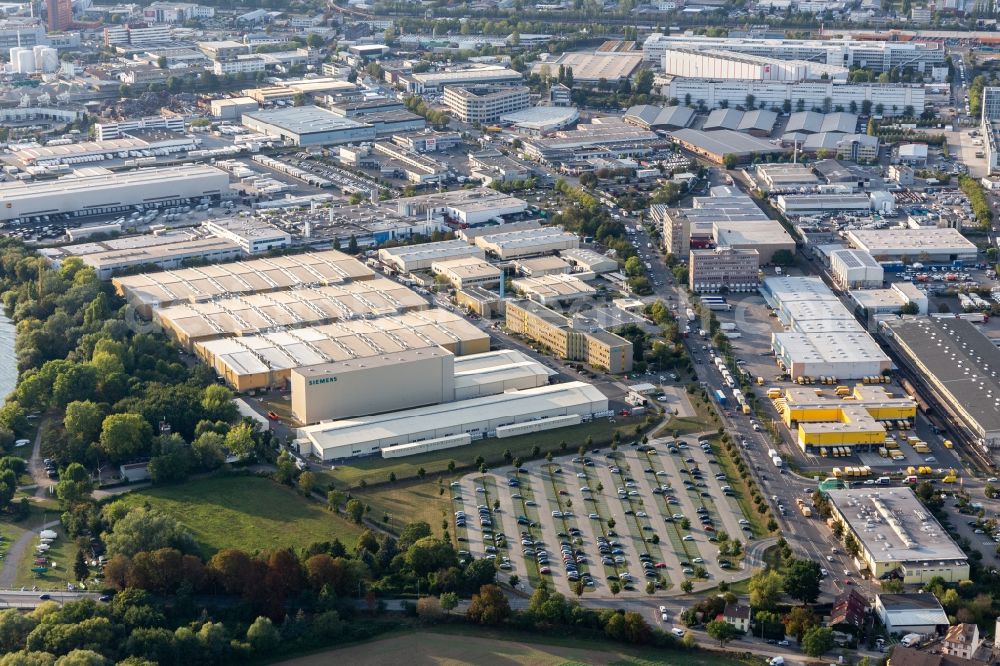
<point x="475" y="647"/>
<point x="246" y="512"/>
<point x="704" y="419"/>
<point x="409" y="502"/>
<point x="377" y="470"/>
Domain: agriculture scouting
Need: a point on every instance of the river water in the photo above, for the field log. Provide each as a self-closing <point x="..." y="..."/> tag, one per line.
<point x="8" y="360"/>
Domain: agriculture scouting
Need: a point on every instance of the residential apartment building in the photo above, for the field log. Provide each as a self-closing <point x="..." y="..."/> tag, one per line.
<point x="675" y="228"/>
<point x="60" y="14"/>
<point x="723" y="268"/>
<point x="598" y="348"/>
<point x="991" y="104"/>
<point x="243" y="65"/>
<point x="485" y="104"/>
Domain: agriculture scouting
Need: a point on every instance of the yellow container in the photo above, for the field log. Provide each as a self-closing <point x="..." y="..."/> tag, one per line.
<point x="948" y="444"/>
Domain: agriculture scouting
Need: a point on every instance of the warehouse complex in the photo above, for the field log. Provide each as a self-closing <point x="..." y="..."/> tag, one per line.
<point x="97" y="191"/>
<point x="899" y="537"/>
<point x="265" y="360"/>
<point x="823" y="420"/>
<point x="556" y="332"/>
<point x="553" y="289"/>
<point x="306" y="306"/>
<point x="958" y="364"/>
<point x="391" y="382"/>
<point x="410" y="258"/>
<point x="527" y="242"/>
<point x="855" y="269"/>
<point x="190" y="285"/>
<point x="824" y="340"/>
<point x="454" y="424"/>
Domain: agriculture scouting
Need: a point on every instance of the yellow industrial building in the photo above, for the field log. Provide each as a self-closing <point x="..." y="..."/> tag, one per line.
<point x="599" y="348"/>
<point x="824" y="419"/>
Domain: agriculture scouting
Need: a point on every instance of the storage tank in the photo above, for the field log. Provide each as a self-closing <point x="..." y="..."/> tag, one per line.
<point x="46" y="59"/>
<point x="23" y="61"/>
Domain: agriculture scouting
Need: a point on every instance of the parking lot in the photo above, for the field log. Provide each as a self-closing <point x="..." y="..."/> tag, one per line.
<point x="644" y="513"/>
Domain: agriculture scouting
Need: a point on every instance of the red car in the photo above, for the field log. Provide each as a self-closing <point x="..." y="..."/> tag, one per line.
<point x="273" y="416"/>
<point x="848" y="581"/>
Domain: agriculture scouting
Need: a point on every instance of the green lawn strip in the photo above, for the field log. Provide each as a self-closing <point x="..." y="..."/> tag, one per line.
<point x="375" y="470"/>
<point x="741" y="489"/>
<point x="653" y="550"/>
<point x="703" y="419"/>
<point x="245" y="512"/>
<point x="524" y="490"/>
<point x="601" y="508"/>
<point x="558" y="482"/>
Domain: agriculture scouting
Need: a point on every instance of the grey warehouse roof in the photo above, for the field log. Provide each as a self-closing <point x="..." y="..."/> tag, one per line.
<point x="650" y="117"/>
<point x="721" y="142"/>
<point x="304" y="119"/>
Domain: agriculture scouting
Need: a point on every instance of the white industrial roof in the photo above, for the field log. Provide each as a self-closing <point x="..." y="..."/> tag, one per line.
<point x="513" y="405"/>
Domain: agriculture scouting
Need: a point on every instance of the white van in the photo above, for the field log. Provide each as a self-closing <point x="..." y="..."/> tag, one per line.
<point x="679" y="633"/>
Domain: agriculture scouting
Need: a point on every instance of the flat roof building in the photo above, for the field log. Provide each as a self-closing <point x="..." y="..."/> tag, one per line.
<point x="453" y="424"/>
<point x="598" y="348"/>
<point x="468" y="272"/>
<point x="204" y="283"/>
<point x="527" y="242"/>
<point x="481" y="75"/>
<point x="410" y="258"/>
<point x="855" y="269"/>
<point x="589" y="261"/>
<point x="898" y="536"/>
<point x="824" y="340"/>
<point x="808" y="204"/>
<point x="308" y="126"/>
<point x="470" y="207"/>
<point x="265" y="360"/>
<point x="919" y="613"/>
<point x="823" y="420"/>
<point x="553" y="289"/>
<point x="101" y="192"/>
<point x="924" y="244"/>
<point x="594" y="66"/>
<point x="958" y="364"/>
<point x="171" y="255"/>
<point x="253" y="235"/>
<point x="780" y="177"/>
<point x="538" y="266"/>
<point x="541" y="119"/>
<point x="394" y="381"/>
<point x="715" y="145"/>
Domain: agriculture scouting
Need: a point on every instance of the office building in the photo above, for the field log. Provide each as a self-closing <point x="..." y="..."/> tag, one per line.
<point x="900" y="538"/>
<point x="957" y="364"/>
<point x="855" y="269"/>
<point x="598" y="348"/>
<point x="991" y="104"/>
<point x="101" y="192"/>
<point x="485" y="104"/>
<point x="60" y="14"/>
<point x="453" y="424"/>
<point x="810" y="204"/>
<point x="723" y="269"/>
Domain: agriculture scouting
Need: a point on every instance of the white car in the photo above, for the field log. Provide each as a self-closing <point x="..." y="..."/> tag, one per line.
<point x="663" y="609"/>
<point x="688" y="537"/>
